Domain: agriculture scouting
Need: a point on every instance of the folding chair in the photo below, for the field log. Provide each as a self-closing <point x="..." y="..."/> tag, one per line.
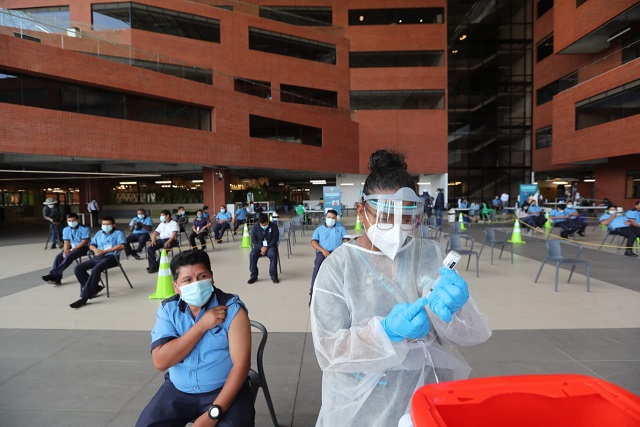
<point x="554" y="254"/>
<point x="490" y="239"/>
<point x="613" y="237"/>
<point x="285" y="236"/>
<point x="105" y="283"/>
<point x="257" y="378"/>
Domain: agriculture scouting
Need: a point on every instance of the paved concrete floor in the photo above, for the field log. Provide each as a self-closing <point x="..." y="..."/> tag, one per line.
<point x="65" y="367"/>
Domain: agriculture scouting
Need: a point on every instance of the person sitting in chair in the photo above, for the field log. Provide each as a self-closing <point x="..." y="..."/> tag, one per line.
<point x="106" y="246"/>
<point x="164" y="237"/>
<point x="202" y="336"/>
<point x="76" y="245"/>
<point x="223" y="220"/>
<point x="139" y="228"/>
<point x="200" y="230"/>
<point x="264" y="242"/>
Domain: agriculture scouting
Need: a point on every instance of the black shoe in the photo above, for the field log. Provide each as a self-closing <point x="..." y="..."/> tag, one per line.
<point x="219" y="241"/>
<point x="274" y="279"/>
<point x="630" y="253"/>
<point x="152" y="270"/>
<point x="79" y="303"/>
<point x="47" y="278"/>
<point x="135" y="255"/>
<point x="252" y="280"/>
<point x="581" y="233"/>
<point x="100" y="289"/>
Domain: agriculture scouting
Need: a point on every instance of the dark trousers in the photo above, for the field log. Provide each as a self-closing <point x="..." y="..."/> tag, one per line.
<point x="141" y="238"/>
<point x="202" y="236"/>
<point x="171" y="407"/>
<point x="567" y="228"/>
<point x="61" y="263"/>
<point x="438" y="214"/>
<point x="151" y="252"/>
<point x="238" y="223"/>
<point x="97" y="264"/>
<point x="316" y="266"/>
<point x="578" y="223"/>
<point x="55" y="231"/>
<point x="630" y="233"/>
<point x="539" y="220"/>
<point x="219" y="229"/>
<point x="272" y="253"/>
<point x="530" y="221"/>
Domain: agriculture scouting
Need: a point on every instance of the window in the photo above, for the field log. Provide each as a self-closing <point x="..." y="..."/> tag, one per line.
<point x="283" y="44"/>
<point x="397" y="100"/>
<point x="544" y="137"/>
<point x="424" y="58"/>
<point x="609" y="106"/>
<point x="57" y="17"/>
<point x="148" y="18"/>
<point x="27" y="37"/>
<point x="298" y="15"/>
<point x="544" y="6"/>
<point x="267" y="128"/>
<point x="308" y="96"/>
<point x="631" y="50"/>
<point x="200" y="75"/>
<point x="547" y="92"/>
<point x="545" y="48"/>
<point x="62" y="96"/>
<point x="422" y="15"/>
<point x="252" y="87"/>
<point x="633" y="185"/>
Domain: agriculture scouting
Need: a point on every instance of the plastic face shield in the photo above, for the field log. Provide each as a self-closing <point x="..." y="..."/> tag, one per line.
<point x="402" y="208"/>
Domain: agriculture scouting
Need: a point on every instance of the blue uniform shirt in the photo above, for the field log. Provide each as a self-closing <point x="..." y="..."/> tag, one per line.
<point x="75" y="235"/>
<point x="556" y="212"/>
<point x="146" y="221"/>
<point x="534" y="209"/>
<point x="104" y="241"/>
<point x="618" y="222"/>
<point x="207" y="366"/>
<point x="329" y="238"/>
<point x="223" y="216"/>
<point x="634" y="215"/>
<point x="241" y="214"/>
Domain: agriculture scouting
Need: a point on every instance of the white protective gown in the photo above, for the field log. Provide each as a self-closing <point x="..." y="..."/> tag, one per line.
<point x="368" y="380"/>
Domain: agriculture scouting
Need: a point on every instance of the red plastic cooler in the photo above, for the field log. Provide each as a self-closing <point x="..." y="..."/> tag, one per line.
<point x="525" y="401"/>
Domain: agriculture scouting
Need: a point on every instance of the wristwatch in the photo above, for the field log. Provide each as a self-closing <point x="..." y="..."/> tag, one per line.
<point x="215" y="412"/>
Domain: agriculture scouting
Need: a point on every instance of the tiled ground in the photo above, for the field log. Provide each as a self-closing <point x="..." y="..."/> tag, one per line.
<point x="64" y="367"/>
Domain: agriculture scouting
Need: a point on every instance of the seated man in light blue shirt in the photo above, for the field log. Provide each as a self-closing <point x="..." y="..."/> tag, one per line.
<point x="202" y="336"/>
<point x="633" y="216"/>
<point x="575" y="218"/>
<point x="76" y="245"/>
<point x="619" y="224"/>
<point x="240" y="218"/>
<point x="106" y="246"/>
<point x="560" y="218"/>
<point x="326" y="239"/>
<point x="139" y="228"/>
<point x="223" y="218"/>
<point x="535" y="212"/>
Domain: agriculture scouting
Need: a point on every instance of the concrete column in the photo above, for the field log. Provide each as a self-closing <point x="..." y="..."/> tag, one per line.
<point x="215" y="188"/>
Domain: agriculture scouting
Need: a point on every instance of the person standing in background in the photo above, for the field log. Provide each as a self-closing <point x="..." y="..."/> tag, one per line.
<point x="94" y="210"/>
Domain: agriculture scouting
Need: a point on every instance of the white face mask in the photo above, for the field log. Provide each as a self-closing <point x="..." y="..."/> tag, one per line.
<point x="223" y="210"/>
<point x="140" y="216"/>
<point x="388" y="241"/>
<point x="72" y="224"/>
<point x="107" y="228"/>
<point x="162" y="218"/>
<point x="612" y="212"/>
<point x="569" y="206"/>
<point x="330" y="222"/>
<point x="197" y="293"/>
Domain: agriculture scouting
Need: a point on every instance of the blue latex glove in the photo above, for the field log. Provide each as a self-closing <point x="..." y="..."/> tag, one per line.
<point x="450" y="294"/>
<point x="407" y="321"/>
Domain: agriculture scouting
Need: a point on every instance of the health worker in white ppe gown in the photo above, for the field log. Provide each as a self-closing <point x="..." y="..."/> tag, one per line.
<point x="377" y="335"/>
